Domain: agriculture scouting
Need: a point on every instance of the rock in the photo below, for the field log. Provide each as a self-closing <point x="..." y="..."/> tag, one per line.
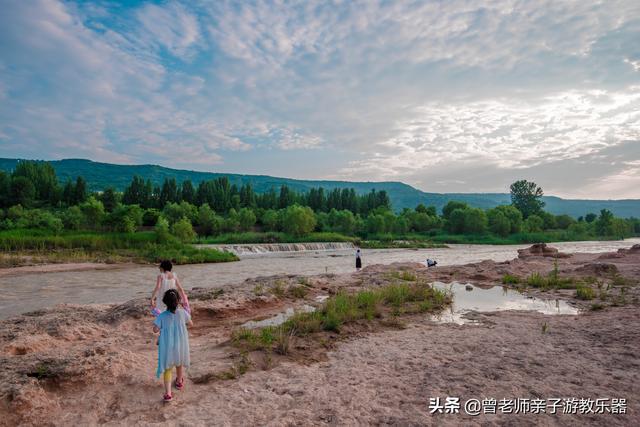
<point x="541" y="250"/>
<point x="468" y="287"/>
<point x="597" y="269"/>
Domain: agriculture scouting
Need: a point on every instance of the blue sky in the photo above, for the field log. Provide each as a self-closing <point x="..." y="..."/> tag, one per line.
<point x="448" y="96"/>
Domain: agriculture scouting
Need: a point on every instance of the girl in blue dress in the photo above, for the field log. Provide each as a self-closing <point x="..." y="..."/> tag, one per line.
<point x="173" y="344"/>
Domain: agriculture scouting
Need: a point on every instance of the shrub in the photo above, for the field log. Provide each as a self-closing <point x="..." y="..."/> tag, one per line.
<point x="536" y="280"/>
<point x="299" y="220"/>
<point x="509" y="279"/>
<point x="183" y="230"/>
<point x="72" y="218"/>
<point x="585" y="293"/>
<point x="162" y="230"/>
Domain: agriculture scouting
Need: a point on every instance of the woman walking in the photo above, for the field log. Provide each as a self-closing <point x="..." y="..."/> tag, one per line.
<point x="358" y="260"/>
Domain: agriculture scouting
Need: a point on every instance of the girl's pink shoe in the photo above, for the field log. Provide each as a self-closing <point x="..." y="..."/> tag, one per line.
<point x="180" y="385"/>
<point x="167" y="398"/>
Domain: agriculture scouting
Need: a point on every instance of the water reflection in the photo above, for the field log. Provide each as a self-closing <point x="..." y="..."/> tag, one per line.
<point x="495" y="298"/>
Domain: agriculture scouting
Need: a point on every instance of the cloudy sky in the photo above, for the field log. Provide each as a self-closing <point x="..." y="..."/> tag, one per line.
<point x="448" y="96"/>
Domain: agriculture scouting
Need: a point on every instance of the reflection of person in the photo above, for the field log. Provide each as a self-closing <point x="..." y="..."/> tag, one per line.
<point x="358" y="260"/>
<point x="173" y="349"/>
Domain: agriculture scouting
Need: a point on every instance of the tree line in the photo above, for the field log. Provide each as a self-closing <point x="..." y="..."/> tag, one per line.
<point x="32" y="197"/>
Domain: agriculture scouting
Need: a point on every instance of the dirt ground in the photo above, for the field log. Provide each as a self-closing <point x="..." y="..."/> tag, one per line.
<point x="95" y="364"/>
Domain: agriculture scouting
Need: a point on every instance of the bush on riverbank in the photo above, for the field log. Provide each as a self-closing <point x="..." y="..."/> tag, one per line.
<point x="140" y="246"/>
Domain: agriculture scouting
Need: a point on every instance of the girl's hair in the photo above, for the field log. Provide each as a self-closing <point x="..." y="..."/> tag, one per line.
<point x="166" y="265"/>
<point x="171" y="299"/>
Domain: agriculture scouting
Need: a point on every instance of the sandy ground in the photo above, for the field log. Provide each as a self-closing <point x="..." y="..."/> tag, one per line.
<point x="88" y="365"/>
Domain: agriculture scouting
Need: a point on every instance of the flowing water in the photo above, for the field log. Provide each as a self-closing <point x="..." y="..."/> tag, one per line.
<point x="20" y="294"/>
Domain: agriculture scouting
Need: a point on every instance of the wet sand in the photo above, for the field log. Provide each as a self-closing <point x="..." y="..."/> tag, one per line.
<point x="94" y="364"/>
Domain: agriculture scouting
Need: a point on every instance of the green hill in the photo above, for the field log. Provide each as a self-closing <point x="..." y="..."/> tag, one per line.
<point x="102" y="175"/>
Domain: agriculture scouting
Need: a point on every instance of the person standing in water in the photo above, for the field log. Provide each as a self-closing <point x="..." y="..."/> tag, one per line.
<point x="358" y="259"/>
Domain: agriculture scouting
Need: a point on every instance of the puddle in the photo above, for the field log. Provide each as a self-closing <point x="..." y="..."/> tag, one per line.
<point x="278" y="319"/>
<point x="468" y="298"/>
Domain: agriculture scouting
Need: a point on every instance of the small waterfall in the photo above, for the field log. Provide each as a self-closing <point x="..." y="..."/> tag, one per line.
<point x="264" y="248"/>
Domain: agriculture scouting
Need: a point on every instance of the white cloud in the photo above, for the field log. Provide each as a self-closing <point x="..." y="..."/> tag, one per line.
<point x="504" y="133"/>
<point x="169" y="26"/>
<point x="417" y="90"/>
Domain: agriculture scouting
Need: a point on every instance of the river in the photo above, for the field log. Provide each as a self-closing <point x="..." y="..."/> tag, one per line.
<point x="28" y="292"/>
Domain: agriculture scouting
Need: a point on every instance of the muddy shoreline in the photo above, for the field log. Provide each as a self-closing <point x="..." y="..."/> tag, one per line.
<point x="94" y="364"/>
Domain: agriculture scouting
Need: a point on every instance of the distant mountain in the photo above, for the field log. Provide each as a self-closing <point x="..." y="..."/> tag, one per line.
<point x="102" y="175"/>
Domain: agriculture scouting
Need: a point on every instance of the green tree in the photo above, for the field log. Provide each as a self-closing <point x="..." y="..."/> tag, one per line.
<point x="498" y="222"/>
<point x="162" y="230"/>
<point x="210" y="223"/>
<point x="590" y="217"/>
<point x="563" y="222"/>
<point x="513" y="215"/>
<point x="183" y="230"/>
<point x="604" y="223"/>
<point x="169" y="192"/>
<point x="456" y="220"/>
<point x="150" y="217"/>
<point x="187" y="192"/>
<point x="109" y="199"/>
<point x="299" y="220"/>
<point x="534" y="224"/>
<point x="93" y="212"/>
<point x="475" y="221"/>
<point x="80" y="192"/>
<point x="247" y="219"/>
<point x="270" y="220"/>
<point x="431" y="210"/>
<point x="232" y="221"/>
<point x="5" y="189"/>
<point x="22" y="191"/>
<point x="451" y="206"/>
<point x="526" y="197"/>
<point x="72" y="218"/>
<point x="42" y="176"/>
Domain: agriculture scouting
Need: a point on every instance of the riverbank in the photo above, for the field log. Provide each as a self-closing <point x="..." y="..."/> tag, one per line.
<point x="39" y="247"/>
<point x="89" y="364"/>
<point x="407" y="241"/>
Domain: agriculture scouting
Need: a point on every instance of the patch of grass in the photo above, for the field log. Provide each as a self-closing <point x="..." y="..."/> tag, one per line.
<point x="259" y="290"/>
<point x="42" y="371"/>
<point x="509" y="279"/>
<point x="284" y="337"/>
<point x="278" y="288"/>
<point x="298" y="291"/>
<point x="545" y="328"/>
<point x="551" y="281"/>
<point x="304" y="282"/>
<point x="585" y="292"/>
<point x="405" y="275"/>
<point x="344" y="308"/>
<point x="596" y="307"/>
<point x="536" y="280"/>
<point x="619" y="281"/>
